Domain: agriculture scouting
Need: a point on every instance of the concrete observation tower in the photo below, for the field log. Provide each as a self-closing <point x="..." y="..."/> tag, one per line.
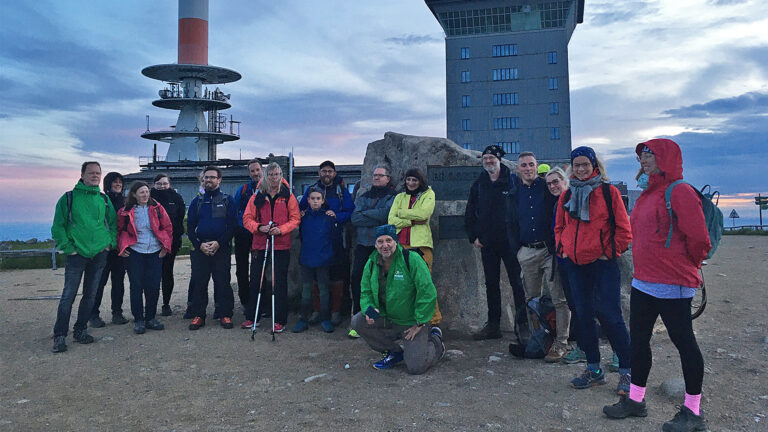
<point x="191" y="89"/>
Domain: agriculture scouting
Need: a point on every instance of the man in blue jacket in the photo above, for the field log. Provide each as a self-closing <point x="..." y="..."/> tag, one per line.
<point x="341" y="206"/>
<point x="211" y="222"/>
<point x="243" y="237"/>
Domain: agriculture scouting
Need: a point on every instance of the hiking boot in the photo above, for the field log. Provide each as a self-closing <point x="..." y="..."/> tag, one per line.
<point x="614" y="366"/>
<point x="435" y="330"/>
<point x="278" y="328"/>
<point x="327" y="326"/>
<point x="59" y="344"/>
<point x="390" y="359"/>
<point x="575" y="355"/>
<point x="247" y="324"/>
<point x="624" y="408"/>
<point x="353" y="334"/>
<point x="488" y="331"/>
<point x="314" y="318"/>
<point x="622" y="389"/>
<point x="300" y="326"/>
<point x="166" y="310"/>
<point x="139" y="327"/>
<point x="154" y="324"/>
<point x="685" y="421"/>
<point x="96" y="322"/>
<point x="588" y="379"/>
<point x="226" y="322"/>
<point x="556" y="352"/>
<point x="82" y="336"/>
<point x="196" y="323"/>
<point x="118" y="318"/>
<point x="336" y="318"/>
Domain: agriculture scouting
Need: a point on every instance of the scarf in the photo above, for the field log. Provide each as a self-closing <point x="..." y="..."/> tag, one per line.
<point x="578" y="205"/>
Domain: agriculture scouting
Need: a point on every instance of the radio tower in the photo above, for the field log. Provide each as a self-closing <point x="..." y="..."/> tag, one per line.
<point x="189" y="91"/>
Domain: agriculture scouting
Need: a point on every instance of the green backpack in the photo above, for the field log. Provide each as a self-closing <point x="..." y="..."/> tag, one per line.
<point x="713" y="217"/>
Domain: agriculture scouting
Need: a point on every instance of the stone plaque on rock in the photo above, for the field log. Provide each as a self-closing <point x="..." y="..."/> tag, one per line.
<point x="451" y="228"/>
<point x="451" y="182"/>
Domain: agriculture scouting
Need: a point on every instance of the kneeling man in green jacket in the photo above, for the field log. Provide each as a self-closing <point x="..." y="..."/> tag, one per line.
<point x="397" y="300"/>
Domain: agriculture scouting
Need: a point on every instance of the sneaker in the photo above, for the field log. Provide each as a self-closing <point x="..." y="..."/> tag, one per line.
<point x="588" y="379"/>
<point x="226" y="322"/>
<point x="575" y="355"/>
<point x="624" y="408"/>
<point x="556" y="352"/>
<point x="154" y="324"/>
<point x="59" y="344"/>
<point x="327" y="326"/>
<point x="196" y="323"/>
<point x="390" y="359"/>
<point x="139" y="327"/>
<point x="685" y="421"/>
<point x="353" y="334"/>
<point x="247" y="324"/>
<point x="82" y="336"/>
<point x="314" y="318"/>
<point x="623" y="388"/>
<point x="614" y="366"/>
<point x="188" y="314"/>
<point x="119" y="319"/>
<point x="336" y="318"/>
<point x="278" y="328"/>
<point x="166" y="311"/>
<point x="300" y="326"/>
<point x="435" y="330"/>
<point x="96" y="322"/>
<point x="487" y="332"/>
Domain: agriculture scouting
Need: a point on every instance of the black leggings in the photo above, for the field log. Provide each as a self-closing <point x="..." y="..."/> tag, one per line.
<point x="676" y="315"/>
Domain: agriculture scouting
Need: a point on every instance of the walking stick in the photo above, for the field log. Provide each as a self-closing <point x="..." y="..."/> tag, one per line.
<point x="261" y="287"/>
<point x="274" y="286"/>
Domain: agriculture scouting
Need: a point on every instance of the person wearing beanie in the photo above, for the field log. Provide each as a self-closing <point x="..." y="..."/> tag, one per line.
<point x="174" y="205"/>
<point x="486" y="228"/>
<point x="543" y="170"/>
<point x="591" y="231"/>
<point x="665" y="281"/>
<point x="397" y="301"/>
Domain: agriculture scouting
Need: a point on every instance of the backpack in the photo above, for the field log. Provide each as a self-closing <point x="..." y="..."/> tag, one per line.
<point x="69" y="208"/>
<point x="713" y="217"/>
<point x="543" y="329"/>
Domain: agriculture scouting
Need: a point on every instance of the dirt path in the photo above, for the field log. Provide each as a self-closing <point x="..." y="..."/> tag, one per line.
<point x="216" y="379"/>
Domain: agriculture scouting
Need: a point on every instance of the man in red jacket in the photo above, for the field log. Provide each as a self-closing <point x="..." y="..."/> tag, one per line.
<point x="665" y="281"/>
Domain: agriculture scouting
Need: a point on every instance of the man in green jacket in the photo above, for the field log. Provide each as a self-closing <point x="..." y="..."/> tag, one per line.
<point x="84" y="228"/>
<point x="397" y="300"/>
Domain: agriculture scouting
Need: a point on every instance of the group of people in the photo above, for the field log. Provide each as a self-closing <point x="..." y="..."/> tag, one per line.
<point x="559" y="234"/>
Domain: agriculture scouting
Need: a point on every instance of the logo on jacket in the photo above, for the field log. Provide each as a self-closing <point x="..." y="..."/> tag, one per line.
<point x="398" y="275"/>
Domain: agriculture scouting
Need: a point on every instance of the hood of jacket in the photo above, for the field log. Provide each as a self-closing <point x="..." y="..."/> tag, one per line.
<point x="668" y="158"/>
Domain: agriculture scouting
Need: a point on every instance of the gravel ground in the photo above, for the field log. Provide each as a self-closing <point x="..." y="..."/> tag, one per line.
<point x="215" y="379"/>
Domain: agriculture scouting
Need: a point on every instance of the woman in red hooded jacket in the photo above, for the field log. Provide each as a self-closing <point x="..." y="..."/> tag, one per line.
<point x="591" y="237"/>
<point x="144" y="237"/>
<point x="273" y="204"/>
<point x="665" y="280"/>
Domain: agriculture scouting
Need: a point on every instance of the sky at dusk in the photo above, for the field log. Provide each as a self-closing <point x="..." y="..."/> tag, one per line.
<point x="329" y="77"/>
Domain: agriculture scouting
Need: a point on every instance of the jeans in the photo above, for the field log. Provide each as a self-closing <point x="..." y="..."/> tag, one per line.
<point x="596" y="292"/>
<point x="282" y="259"/>
<point x="167" y="278"/>
<point x="89" y="271"/>
<point x="204" y="268"/>
<point x="308" y="276"/>
<point x="115" y="269"/>
<point x="562" y="269"/>
<point x="676" y="314"/>
<point x="144" y="274"/>
<point x="243" y="240"/>
<point x="492" y="256"/>
<point x="362" y="253"/>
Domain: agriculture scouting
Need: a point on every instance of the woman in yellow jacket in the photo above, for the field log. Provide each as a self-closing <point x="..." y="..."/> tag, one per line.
<point x="410" y="213"/>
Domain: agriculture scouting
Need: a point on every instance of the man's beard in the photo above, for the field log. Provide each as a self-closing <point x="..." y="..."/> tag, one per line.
<point x="492" y="169"/>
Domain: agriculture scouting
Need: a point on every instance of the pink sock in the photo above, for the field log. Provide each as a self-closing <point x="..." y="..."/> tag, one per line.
<point x="636" y="393"/>
<point x="693" y="402"/>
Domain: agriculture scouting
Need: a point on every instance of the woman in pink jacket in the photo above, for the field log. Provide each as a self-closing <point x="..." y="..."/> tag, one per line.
<point x="665" y="281"/>
<point x="144" y="237"/>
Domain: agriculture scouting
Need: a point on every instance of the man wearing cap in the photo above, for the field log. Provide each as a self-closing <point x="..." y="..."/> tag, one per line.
<point x="397" y="300"/>
<point x="530" y="215"/>
<point x="484" y="222"/>
<point x="543" y="170"/>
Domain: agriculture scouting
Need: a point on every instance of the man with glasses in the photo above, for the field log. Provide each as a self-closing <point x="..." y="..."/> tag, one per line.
<point x="371" y="210"/>
<point x="174" y="205"/>
<point x="340" y="205"/>
<point x="243" y="237"/>
<point x="211" y="222"/>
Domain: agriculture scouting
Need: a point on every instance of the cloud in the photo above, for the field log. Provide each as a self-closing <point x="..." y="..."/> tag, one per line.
<point x="414" y="39"/>
<point x="602" y="14"/>
<point x="752" y="102"/>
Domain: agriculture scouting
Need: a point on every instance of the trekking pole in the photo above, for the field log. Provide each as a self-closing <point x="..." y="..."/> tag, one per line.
<point x="274" y="285"/>
<point x="261" y="288"/>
